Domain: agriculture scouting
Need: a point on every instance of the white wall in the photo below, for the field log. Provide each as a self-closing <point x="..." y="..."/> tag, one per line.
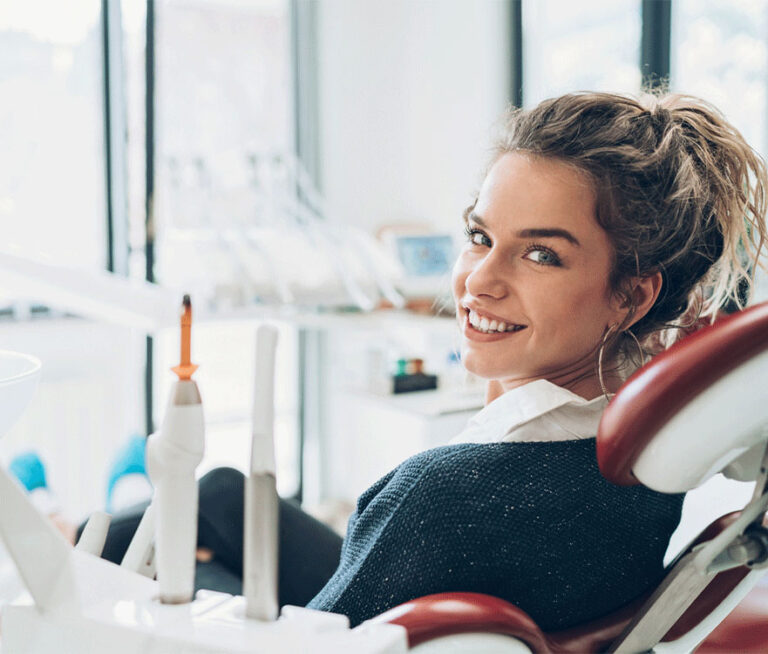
<point x="408" y="93"/>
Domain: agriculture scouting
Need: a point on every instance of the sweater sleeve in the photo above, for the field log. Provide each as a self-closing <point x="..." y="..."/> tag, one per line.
<point x="532" y="523"/>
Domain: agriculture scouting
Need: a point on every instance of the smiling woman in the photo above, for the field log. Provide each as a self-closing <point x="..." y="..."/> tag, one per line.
<point x="599" y="214"/>
<point x="602" y="220"/>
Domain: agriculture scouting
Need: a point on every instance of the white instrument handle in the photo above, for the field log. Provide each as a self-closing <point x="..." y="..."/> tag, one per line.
<point x="260" y="546"/>
<point x="140" y="555"/>
<point x="94" y="533"/>
<point x="263" y="417"/>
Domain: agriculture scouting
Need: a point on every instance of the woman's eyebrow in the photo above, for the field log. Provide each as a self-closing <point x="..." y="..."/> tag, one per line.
<point x="549" y="231"/>
<point x="537" y="232"/>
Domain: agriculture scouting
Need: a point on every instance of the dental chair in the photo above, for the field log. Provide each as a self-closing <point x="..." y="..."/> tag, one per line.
<point x="696" y="410"/>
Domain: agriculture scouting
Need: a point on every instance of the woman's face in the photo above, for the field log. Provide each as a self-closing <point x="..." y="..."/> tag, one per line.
<point x="535" y="264"/>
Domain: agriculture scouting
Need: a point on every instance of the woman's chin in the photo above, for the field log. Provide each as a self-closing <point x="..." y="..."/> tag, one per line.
<point x="486" y="369"/>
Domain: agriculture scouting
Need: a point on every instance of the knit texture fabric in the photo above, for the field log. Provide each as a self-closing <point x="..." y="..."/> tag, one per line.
<point x="532" y="523"/>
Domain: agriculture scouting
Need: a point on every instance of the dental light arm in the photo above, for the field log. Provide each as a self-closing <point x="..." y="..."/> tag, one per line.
<point x="98" y="295"/>
<point x="261" y="502"/>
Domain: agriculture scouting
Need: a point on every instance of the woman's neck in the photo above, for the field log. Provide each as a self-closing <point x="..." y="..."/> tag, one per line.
<point x="586" y="384"/>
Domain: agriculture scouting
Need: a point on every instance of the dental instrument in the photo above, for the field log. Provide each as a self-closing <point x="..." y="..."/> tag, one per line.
<point x="173" y="455"/>
<point x="140" y="555"/>
<point x="94" y="533"/>
<point x="81" y="603"/>
<point x="260" y="550"/>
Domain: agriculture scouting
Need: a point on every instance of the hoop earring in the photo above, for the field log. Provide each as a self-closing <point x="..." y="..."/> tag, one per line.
<point x="639" y="347"/>
<point x="611" y="328"/>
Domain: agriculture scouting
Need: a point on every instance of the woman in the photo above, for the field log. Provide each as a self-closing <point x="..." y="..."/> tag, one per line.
<point x="603" y="224"/>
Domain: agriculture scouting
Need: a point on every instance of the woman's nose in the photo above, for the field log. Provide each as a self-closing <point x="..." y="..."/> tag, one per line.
<point x="488" y="277"/>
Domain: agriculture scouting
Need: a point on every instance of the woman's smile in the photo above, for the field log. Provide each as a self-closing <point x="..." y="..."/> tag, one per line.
<point x="482" y="328"/>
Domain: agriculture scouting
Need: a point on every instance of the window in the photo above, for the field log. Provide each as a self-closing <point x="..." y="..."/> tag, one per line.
<point x="52" y="172"/>
<point x="719" y="52"/>
<point x="592" y="45"/>
<point x="224" y="102"/>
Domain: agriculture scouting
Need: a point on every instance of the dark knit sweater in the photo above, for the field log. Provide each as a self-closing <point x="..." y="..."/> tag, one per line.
<point x="532" y="523"/>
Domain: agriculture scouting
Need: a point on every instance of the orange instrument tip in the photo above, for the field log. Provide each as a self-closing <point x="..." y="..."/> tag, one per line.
<point x="185" y="368"/>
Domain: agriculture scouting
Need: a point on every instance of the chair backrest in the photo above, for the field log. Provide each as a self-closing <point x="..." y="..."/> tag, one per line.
<point x="693" y="410"/>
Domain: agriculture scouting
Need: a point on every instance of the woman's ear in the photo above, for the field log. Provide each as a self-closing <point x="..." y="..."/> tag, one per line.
<point x="642" y="292"/>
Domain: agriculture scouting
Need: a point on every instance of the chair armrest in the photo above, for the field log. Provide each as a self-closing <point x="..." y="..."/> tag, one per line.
<point x="445" y="614"/>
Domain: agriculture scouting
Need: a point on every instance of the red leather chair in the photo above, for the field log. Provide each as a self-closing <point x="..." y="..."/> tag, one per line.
<point x="698" y="409"/>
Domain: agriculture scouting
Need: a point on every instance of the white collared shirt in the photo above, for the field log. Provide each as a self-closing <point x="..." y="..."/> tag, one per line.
<point x="536" y="411"/>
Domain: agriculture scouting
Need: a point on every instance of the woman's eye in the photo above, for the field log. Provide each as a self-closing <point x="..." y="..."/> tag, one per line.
<point x="543" y="256"/>
<point x="477" y="237"/>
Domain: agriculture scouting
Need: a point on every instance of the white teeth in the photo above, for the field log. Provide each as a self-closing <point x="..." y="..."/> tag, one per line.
<point x="486" y="325"/>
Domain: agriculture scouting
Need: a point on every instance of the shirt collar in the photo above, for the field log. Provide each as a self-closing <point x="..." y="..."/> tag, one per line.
<point x="530" y="401"/>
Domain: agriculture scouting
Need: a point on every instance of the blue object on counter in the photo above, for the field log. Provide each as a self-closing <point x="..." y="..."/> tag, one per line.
<point x="29" y="470"/>
<point x="129" y="460"/>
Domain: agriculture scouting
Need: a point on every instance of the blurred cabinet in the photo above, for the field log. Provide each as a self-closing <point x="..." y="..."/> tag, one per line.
<point x="367" y="433"/>
<point x="371" y="434"/>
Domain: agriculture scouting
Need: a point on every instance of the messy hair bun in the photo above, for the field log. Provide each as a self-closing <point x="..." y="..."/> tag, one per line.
<point x="678" y="191"/>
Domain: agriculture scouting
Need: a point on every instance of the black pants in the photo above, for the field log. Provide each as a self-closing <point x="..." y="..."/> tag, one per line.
<point x="309" y="550"/>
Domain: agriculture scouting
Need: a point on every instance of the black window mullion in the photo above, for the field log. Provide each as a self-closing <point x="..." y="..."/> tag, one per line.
<point x="116" y="200"/>
<point x="516" y="52"/>
<point x="149" y="241"/>
<point x="655" y="45"/>
<point x="107" y="134"/>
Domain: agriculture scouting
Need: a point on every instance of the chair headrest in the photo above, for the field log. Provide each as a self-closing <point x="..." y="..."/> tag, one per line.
<point x="693" y="409"/>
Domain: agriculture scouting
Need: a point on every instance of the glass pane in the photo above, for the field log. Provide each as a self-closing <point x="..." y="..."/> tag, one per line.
<point x="53" y="207"/>
<point x="224" y="102"/>
<point x="223" y="98"/>
<point x="593" y="45"/>
<point x="719" y="53"/>
<point x="52" y="172"/>
<point x="134" y="24"/>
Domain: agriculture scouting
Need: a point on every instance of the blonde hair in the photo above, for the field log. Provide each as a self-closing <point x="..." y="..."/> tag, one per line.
<point x="678" y="191"/>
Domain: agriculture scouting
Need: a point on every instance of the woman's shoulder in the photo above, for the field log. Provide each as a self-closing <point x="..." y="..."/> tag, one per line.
<point x="553" y="477"/>
<point x="473" y="468"/>
<point x="468" y="462"/>
<point x="539" y="455"/>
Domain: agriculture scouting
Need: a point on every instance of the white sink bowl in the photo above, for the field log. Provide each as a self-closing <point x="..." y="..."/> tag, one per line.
<point x="19" y="374"/>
